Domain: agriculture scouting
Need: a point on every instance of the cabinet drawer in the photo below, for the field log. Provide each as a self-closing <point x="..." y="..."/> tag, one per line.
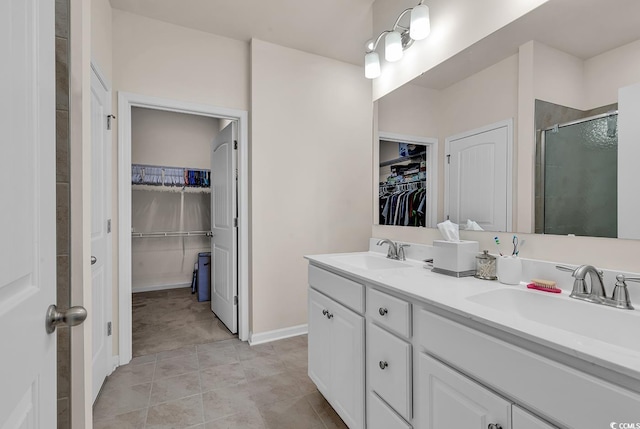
<point x="523" y="420"/>
<point x="341" y="289"/>
<point x="389" y="311"/>
<point x="380" y="416"/>
<point x="389" y="369"/>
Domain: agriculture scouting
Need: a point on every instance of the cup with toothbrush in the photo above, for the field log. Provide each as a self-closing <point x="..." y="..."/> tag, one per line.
<point x="509" y="268"/>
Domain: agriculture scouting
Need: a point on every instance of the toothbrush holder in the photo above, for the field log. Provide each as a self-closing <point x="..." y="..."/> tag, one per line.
<point x="509" y="270"/>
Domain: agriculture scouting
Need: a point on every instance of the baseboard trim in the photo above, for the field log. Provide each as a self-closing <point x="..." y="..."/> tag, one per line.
<point x="159" y="287"/>
<point x="115" y="362"/>
<point x="278" y="334"/>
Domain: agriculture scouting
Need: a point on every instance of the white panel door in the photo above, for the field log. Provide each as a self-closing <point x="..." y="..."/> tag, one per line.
<point x="224" y="275"/>
<point x="27" y="214"/>
<point x="100" y="248"/>
<point x="479" y="177"/>
<point x="449" y="399"/>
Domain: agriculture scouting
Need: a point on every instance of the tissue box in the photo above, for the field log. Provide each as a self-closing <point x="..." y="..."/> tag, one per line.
<point x="456" y="259"/>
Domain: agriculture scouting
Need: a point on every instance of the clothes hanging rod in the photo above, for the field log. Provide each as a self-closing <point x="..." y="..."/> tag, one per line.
<point x="168" y="166"/>
<point x="172" y="234"/>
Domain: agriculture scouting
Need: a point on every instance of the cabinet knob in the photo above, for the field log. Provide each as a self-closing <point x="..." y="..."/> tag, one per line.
<point x="329" y="315"/>
<point x="382" y="311"/>
<point x="383" y="364"/>
<point x="494" y="426"/>
<point x="325" y="312"/>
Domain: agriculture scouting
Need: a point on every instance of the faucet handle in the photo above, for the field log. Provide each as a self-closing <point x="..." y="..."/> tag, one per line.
<point x="620" y="297"/>
<point x="400" y="249"/>
<point x="565" y="268"/>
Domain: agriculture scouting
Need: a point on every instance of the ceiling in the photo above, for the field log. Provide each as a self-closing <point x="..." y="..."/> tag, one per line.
<point x="332" y="28"/>
<point x="582" y="28"/>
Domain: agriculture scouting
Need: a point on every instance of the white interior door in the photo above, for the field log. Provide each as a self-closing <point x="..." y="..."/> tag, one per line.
<point x="224" y="275"/>
<point x="478" y="176"/>
<point x="100" y="234"/>
<point x="27" y="216"/>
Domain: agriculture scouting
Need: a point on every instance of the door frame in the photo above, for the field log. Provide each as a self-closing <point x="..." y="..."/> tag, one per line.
<point x="508" y="123"/>
<point x="108" y="207"/>
<point x="431" y="144"/>
<point x="126" y="101"/>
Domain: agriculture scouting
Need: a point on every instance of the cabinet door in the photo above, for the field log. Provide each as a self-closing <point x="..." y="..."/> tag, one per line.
<point x="319" y="339"/>
<point x="449" y="399"/>
<point x="524" y="420"/>
<point x="347" y="365"/>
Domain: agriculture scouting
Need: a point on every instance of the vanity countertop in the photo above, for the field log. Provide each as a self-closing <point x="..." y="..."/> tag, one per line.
<point x="452" y="295"/>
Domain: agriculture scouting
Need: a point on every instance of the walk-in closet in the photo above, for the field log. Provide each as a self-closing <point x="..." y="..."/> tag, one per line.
<point x="171" y="230"/>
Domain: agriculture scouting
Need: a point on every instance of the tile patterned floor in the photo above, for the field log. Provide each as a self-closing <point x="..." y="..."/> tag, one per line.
<point x="170" y="319"/>
<point x="224" y="384"/>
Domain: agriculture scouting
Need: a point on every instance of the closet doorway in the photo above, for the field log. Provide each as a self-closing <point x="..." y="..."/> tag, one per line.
<point x="176" y="209"/>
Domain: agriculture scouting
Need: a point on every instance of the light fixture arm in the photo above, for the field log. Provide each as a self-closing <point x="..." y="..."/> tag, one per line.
<point x="375" y="44"/>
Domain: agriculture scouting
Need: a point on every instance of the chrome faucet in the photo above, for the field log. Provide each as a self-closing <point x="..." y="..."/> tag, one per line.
<point x="395" y="251"/>
<point x="597" y="293"/>
<point x="392" y="252"/>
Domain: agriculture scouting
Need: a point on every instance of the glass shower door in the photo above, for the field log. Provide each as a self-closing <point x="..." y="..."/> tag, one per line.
<point x="580" y="177"/>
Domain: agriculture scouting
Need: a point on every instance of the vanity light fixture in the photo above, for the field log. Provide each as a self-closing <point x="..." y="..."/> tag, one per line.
<point x="397" y="39"/>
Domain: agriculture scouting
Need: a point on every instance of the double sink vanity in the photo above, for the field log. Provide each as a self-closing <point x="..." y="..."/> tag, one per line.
<point x="394" y="345"/>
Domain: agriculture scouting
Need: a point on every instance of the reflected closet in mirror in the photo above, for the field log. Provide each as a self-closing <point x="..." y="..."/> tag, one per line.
<point x="406" y="181"/>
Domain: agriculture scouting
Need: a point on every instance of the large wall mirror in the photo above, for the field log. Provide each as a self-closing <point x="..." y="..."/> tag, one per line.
<point x="564" y="83"/>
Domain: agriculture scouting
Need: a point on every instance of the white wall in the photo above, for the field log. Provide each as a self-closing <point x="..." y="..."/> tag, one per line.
<point x="455" y="25"/>
<point x="311" y="168"/>
<point x="172" y="139"/>
<point x="165" y="60"/>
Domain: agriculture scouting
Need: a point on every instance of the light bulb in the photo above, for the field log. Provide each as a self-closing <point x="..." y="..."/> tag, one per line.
<point x="371" y="65"/>
<point x="420" y="26"/>
<point x="392" y="46"/>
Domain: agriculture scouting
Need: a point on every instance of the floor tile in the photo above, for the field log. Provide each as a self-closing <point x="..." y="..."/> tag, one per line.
<point x="143" y="359"/>
<point x="178" y="414"/>
<point x="115" y="400"/>
<point x="289" y="344"/>
<point x="176" y="366"/>
<point x="262" y="366"/>
<point x="211" y="357"/>
<point x="168" y="389"/>
<point x="327" y="414"/>
<point x="295" y="413"/>
<point x="183" y="351"/>
<point x="131" y="420"/>
<point x="129" y="375"/>
<point x="246" y="352"/>
<point x="226" y="402"/>
<point x="222" y="376"/>
<point x="245" y="420"/>
<point x="297" y="358"/>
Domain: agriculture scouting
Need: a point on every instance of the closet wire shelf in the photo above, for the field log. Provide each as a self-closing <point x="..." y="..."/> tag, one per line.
<point x="172" y="234"/>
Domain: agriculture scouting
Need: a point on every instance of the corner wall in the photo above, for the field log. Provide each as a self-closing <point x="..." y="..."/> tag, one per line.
<point x="311" y="167"/>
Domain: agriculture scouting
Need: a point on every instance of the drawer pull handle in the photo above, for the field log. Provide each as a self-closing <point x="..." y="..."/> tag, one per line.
<point x="494" y="426"/>
<point x="329" y="315"/>
<point x="383" y="364"/>
<point x="325" y="312"/>
<point x="382" y="311"/>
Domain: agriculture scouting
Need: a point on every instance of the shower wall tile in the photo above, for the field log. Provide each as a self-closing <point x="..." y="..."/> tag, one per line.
<point x="62" y="146"/>
<point x="63" y="282"/>
<point x="62" y="18"/>
<point x="62" y="218"/>
<point x="62" y="74"/>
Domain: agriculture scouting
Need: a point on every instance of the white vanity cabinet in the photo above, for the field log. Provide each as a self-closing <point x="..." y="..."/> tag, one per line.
<point x="336" y="343"/>
<point x="447" y="398"/>
<point x="521" y="419"/>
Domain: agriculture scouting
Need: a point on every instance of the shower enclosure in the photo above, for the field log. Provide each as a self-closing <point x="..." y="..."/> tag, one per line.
<point x="576" y="177"/>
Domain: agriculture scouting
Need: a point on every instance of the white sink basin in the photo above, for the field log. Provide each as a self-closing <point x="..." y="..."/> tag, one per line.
<point x="610" y="325"/>
<point x="370" y="261"/>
